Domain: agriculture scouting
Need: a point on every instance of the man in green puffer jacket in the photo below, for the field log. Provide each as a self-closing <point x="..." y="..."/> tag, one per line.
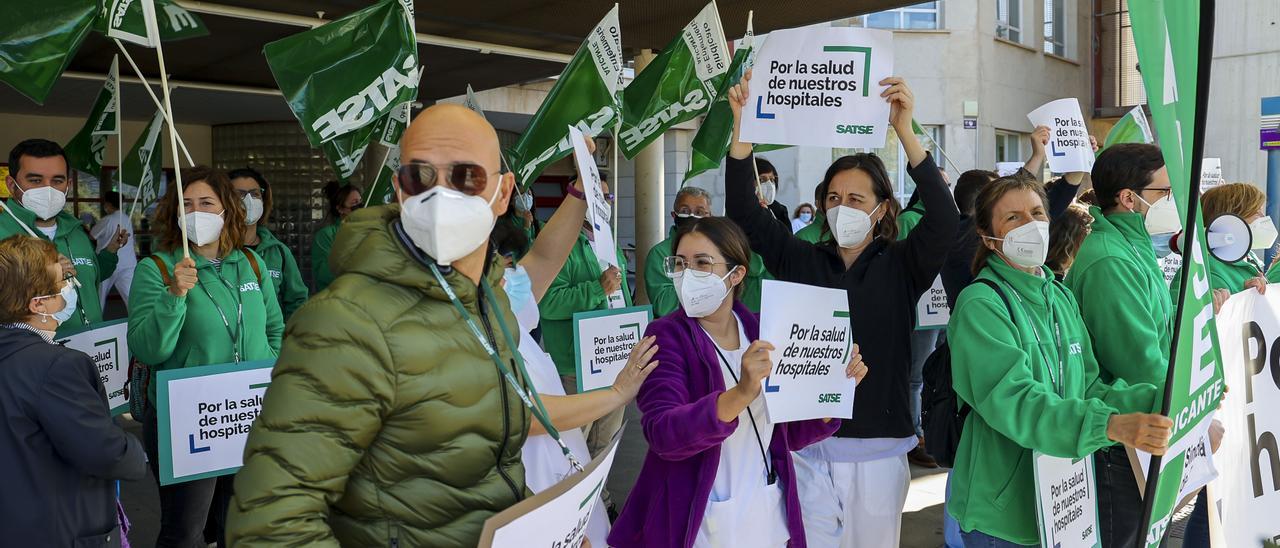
<point x="40" y="169"/>
<point x="387" y="423"/>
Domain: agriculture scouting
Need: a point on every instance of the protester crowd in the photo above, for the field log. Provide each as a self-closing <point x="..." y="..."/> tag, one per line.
<point x="427" y="380"/>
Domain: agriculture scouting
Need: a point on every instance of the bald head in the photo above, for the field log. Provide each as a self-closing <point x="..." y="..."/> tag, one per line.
<point x="447" y="133"/>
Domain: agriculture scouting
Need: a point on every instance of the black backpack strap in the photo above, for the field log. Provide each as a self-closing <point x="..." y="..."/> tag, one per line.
<point x="996" y="287"/>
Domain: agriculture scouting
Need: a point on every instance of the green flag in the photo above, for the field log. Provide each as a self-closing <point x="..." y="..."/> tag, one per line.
<point x="126" y="20"/>
<point x="346" y="151"/>
<point x="143" y="164"/>
<point x="678" y="85"/>
<point x="711" y="142"/>
<point x="382" y="192"/>
<point x="1131" y="128"/>
<point x="349" y="73"/>
<point x="1172" y="38"/>
<point x="38" y="40"/>
<point x="585" y="95"/>
<point x="472" y="102"/>
<point x="84" y="151"/>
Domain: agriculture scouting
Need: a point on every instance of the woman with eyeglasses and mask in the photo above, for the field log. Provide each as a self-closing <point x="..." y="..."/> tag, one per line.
<point x="768" y="189"/>
<point x="216" y="306"/>
<point x="59" y="448"/>
<point x="343" y="199"/>
<point x="1022" y="361"/>
<point x="717" y="472"/>
<point x="866" y="460"/>
<point x="256" y="196"/>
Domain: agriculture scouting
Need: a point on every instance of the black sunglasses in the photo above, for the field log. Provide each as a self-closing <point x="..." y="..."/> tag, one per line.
<point x="416" y="178"/>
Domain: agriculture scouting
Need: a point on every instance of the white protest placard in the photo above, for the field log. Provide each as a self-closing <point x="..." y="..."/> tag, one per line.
<point x="1199" y="469"/>
<point x="556" y="517"/>
<point x="1210" y="173"/>
<point x="1170" y="265"/>
<point x="813" y="340"/>
<point x="203" y="417"/>
<point x="1249" y="328"/>
<point x="1066" y="502"/>
<point x="932" y="311"/>
<point x="820" y="86"/>
<point x="1005" y="169"/>
<point x="603" y="340"/>
<point x="599" y="214"/>
<point x="107" y="344"/>
<point x="1069" y="148"/>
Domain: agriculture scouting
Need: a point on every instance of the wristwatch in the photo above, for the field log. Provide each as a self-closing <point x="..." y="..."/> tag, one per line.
<point x="570" y="190"/>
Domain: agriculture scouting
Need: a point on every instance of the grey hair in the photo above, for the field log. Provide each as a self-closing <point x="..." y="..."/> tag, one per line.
<point x="694" y="191"/>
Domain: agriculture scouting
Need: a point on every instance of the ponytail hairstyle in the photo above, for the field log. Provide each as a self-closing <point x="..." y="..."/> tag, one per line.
<point x="870" y="164"/>
<point x="984" y="209"/>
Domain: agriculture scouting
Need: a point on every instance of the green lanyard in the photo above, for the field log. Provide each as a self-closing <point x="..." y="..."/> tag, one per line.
<point x="1059" y="383"/>
<point x="534" y="403"/>
<point x="234" y="335"/>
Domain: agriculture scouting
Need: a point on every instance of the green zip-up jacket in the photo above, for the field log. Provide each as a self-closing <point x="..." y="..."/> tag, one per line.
<point x="1228" y="276"/>
<point x="72" y="242"/>
<point x="291" y="291"/>
<point x="1123" y="298"/>
<point x="662" y="290"/>
<point x="168" y="332"/>
<point x="907" y="221"/>
<point x="1003" y="374"/>
<point x="575" y="289"/>
<point x="321" y="243"/>
<point x="386" y="422"/>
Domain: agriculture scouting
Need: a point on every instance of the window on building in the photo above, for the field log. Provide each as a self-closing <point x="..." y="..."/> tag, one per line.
<point x="895" y="159"/>
<point x="1055" y="24"/>
<point x="1130" y="91"/>
<point x="925" y="15"/>
<point x="1009" y="146"/>
<point x="1009" y="19"/>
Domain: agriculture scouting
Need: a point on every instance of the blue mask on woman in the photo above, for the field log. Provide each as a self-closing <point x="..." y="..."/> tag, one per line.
<point x="519" y="288"/>
<point x="72" y="297"/>
<point x="1161" y="244"/>
<point x="806" y="218"/>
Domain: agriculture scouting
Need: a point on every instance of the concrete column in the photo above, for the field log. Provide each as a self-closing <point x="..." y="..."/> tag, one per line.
<point x="650" y="203"/>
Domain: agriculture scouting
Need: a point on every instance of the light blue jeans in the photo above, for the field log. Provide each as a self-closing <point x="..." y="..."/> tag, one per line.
<point x="978" y="539"/>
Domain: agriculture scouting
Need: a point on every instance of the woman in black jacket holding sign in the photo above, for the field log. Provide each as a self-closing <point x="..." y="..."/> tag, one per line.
<point x="60" y="452"/>
<point x="866" y="460"/>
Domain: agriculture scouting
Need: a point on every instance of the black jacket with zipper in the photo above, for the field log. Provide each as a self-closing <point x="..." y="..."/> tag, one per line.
<point x="60" y="452"/>
<point x="884" y="285"/>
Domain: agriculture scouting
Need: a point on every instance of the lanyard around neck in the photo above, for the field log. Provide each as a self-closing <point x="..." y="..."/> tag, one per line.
<point x="770" y="475"/>
<point x="529" y="397"/>
<point x="1060" y="382"/>
<point x="233" y="334"/>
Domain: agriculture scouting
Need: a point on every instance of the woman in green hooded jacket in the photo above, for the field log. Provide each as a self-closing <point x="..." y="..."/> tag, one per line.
<point x="343" y="199"/>
<point x="1023" y="362"/>
<point x="216" y="306"/>
<point x="256" y="196"/>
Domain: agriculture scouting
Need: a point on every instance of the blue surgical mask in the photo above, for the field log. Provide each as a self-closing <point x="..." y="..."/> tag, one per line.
<point x="519" y="290"/>
<point x="69" y="295"/>
<point x="806" y="218"/>
<point x="1161" y="244"/>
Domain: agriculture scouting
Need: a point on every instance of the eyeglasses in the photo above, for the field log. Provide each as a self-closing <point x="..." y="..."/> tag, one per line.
<point x="256" y="193"/>
<point x="1163" y="190"/>
<point x="701" y="266"/>
<point x="768" y="179"/>
<point x="468" y="178"/>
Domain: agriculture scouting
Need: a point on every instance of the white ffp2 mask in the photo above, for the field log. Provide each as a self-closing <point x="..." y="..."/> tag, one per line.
<point x="252" y="210"/>
<point x="204" y="228"/>
<point x="46" y="202"/>
<point x="1264" y="233"/>
<point x="447" y="224"/>
<point x="849" y="225"/>
<point x="1026" y="246"/>
<point x="700" y="295"/>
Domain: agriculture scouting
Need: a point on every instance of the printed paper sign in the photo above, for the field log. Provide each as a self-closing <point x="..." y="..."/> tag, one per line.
<point x="1171" y="264"/>
<point x="932" y="311"/>
<point x="603" y="340"/>
<point x="1195" y="449"/>
<point x="1066" y="502"/>
<point x="1249" y="327"/>
<point x="820" y="87"/>
<point x="1069" y="148"/>
<point x="1005" y="169"/>
<point x="556" y="517"/>
<point x="1210" y="173"/>
<point x="107" y="344"/>
<point x="204" y="415"/>
<point x="599" y="214"/>
<point x="813" y="340"/>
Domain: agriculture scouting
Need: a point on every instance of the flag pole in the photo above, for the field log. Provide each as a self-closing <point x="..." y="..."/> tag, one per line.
<point x="147" y="86"/>
<point x="385" y="153"/>
<point x="119" y="141"/>
<point x="613" y="174"/>
<point x="173" y="144"/>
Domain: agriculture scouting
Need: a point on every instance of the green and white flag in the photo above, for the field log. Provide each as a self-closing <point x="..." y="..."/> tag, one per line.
<point x="389" y="134"/>
<point x="711" y="142"/>
<point x="472" y="102"/>
<point x="1169" y="36"/>
<point x="585" y="95"/>
<point x="678" y="85"/>
<point x="85" y="150"/>
<point x="126" y="20"/>
<point x="347" y="74"/>
<point x="144" y="162"/>
<point x="38" y="40"/>
<point x="345" y="151"/>
<point x="1131" y="128"/>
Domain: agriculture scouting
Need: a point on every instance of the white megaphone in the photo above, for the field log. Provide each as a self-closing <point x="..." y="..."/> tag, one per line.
<point x="1229" y="238"/>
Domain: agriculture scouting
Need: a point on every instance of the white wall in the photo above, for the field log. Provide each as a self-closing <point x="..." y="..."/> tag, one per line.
<point x="60" y="129"/>
<point x="1246" y="67"/>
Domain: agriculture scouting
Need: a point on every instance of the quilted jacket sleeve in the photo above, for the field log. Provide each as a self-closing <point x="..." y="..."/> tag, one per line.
<point x="331" y="389"/>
